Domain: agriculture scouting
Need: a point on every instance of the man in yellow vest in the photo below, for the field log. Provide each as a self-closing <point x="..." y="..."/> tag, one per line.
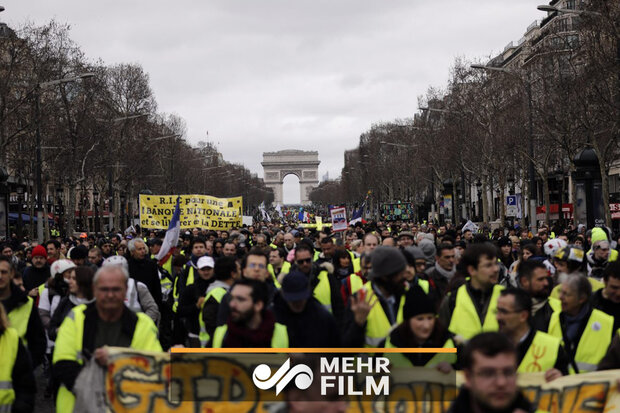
<point x="600" y="255"/>
<point x="89" y="328"/>
<point x="325" y="287"/>
<point x="378" y="305"/>
<point x="17" y="383"/>
<point x="226" y="272"/>
<point x="190" y="302"/>
<point x="250" y="323"/>
<point x="490" y="367"/>
<point x="278" y="266"/>
<point x="470" y="309"/>
<point x="585" y="332"/>
<point x="22" y="313"/>
<point x="533" y="278"/>
<point x="536" y="351"/>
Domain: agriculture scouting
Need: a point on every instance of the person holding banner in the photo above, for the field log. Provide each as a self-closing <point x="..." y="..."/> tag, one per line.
<point x="490" y="367"/>
<point x="88" y="329"/>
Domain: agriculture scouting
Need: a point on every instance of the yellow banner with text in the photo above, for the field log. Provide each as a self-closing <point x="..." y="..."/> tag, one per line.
<point x="196" y="211"/>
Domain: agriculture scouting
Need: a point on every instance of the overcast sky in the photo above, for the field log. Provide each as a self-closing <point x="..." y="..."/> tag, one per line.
<point x="267" y="75"/>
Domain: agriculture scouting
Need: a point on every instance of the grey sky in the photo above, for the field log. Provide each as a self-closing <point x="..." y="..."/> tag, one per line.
<point x="266" y="75"/>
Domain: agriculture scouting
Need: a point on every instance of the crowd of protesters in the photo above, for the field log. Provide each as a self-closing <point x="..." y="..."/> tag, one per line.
<point x="381" y="285"/>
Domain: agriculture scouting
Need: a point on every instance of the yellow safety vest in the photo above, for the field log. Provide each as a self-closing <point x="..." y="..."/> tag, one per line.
<point x="316" y="255"/>
<point x="377" y="323"/>
<point x="286" y="268"/>
<point x="70" y="340"/>
<point x="593" y="343"/>
<point x="596" y="285"/>
<point x="355" y="261"/>
<point x="9" y="345"/>
<point x="555" y="304"/>
<point x="465" y="321"/>
<point x="18" y="318"/>
<point x="424" y="284"/>
<point x="400" y="360"/>
<point x="322" y="292"/>
<point x="41" y="288"/>
<point x="356" y="283"/>
<point x="166" y="283"/>
<point x="278" y="340"/>
<point x="613" y="255"/>
<point x="175" y="290"/>
<point x="216" y="293"/>
<point x="541" y="355"/>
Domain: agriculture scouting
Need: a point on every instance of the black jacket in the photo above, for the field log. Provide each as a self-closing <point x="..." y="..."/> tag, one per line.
<point x="187" y="309"/>
<point x="607" y="306"/>
<point x="23" y="381"/>
<point x="64" y="306"/>
<point x="34" y="277"/>
<point x="353" y="334"/>
<point x="66" y="371"/>
<point x="314" y="327"/>
<point x="145" y="271"/>
<point x="541" y="318"/>
<point x="462" y="403"/>
<point x="35" y="334"/>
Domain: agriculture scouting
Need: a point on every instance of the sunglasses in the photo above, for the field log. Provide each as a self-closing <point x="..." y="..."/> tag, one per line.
<point x="304" y="261"/>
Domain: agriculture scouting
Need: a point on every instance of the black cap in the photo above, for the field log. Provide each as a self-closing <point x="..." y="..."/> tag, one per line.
<point x="503" y="241"/>
<point x="295" y="286"/>
<point x="417" y="302"/>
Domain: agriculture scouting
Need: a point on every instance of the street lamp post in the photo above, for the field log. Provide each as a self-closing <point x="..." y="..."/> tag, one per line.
<point x="61" y="224"/>
<point x="531" y="173"/>
<point x="20" y="201"/>
<point x="96" y="206"/>
<point x="37" y="92"/>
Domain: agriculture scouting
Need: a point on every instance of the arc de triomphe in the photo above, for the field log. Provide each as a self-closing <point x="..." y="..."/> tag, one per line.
<point x="303" y="164"/>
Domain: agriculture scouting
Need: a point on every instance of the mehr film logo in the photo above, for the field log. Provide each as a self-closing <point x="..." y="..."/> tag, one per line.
<point x="336" y="372"/>
<point x="242" y="374"/>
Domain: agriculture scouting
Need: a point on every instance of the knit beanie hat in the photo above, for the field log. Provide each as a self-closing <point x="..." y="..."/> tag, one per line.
<point x="416" y="303"/>
<point x="39" y="251"/>
<point x="429" y="250"/>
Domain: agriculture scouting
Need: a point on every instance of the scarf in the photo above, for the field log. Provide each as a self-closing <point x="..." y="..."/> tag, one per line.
<point x="538" y="303"/>
<point x="573" y="323"/>
<point x="446" y="274"/>
<point x="241" y="336"/>
<point x="77" y="301"/>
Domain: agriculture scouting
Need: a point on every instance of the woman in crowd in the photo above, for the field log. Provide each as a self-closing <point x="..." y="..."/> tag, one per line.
<point x="343" y="267"/>
<point x="80" y="292"/>
<point x="421" y="329"/>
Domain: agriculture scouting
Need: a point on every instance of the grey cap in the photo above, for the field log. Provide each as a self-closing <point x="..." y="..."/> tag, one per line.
<point x="429" y="250"/>
<point x="386" y="261"/>
<point x="416" y="252"/>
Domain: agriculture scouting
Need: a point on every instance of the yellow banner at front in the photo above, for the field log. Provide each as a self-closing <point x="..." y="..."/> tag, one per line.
<point x="197" y="211"/>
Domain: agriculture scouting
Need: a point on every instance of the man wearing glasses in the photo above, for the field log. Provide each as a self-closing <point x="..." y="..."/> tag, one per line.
<point x="323" y="284"/>
<point x="490" y="367"/>
<point x="89" y="328"/>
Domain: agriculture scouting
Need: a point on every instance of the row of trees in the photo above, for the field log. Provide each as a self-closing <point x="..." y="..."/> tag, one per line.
<point x="101" y="134"/>
<point x="558" y="89"/>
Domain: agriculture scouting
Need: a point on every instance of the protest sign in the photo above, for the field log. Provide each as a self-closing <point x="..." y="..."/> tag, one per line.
<point x="339" y="219"/>
<point x="197" y="211"/>
<point x="137" y="382"/>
